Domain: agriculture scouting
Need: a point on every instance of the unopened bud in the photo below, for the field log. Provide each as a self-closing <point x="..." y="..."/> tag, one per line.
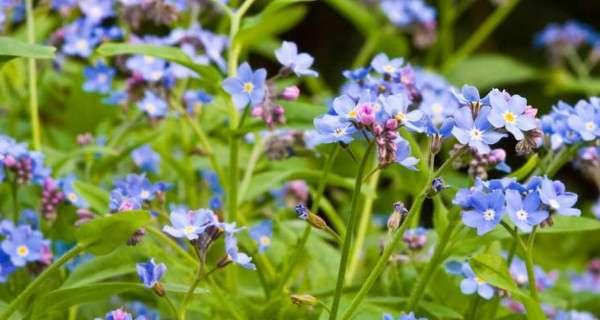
<point x="159" y="289"/>
<point x="436" y="144"/>
<point x="303" y="299"/>
<point x="290" y="93"/>
<point x="437" y="185"/>
<point x="397" y="217"/>
<point x="226" y="260"/>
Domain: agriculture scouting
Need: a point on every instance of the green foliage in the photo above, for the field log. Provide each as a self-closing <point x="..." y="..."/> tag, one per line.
<point x="11" y="48"/>
<point x="491" y="70"/>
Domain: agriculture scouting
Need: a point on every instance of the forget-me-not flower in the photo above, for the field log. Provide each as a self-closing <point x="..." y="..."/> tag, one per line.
<point x="471" y="283"/>
<point x="247" y="87"/>
<point x="553" y="194"/>
<point x="486" y="211"/>
<point x="476" y="133"/>
<point x="150" y="272"/>
<point x="299" y="63"/>
<point x="98" y="78"/>
<point x="153" y="105"/>
<point x="262" y="233"/>
<point x="524" y="212"/>
<point x="509" y="112"/>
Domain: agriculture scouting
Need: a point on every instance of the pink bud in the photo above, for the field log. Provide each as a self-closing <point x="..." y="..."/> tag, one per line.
<point x="498" y="155"/>
<point x="391" y="124"/>
<point x="257" y="112"/>
<point x="9" y="161"/>
<point x="366" y="114"/>
<point x="278" y="111"/>
<point x="290" y="93"/>
<point x="531" y="111"/>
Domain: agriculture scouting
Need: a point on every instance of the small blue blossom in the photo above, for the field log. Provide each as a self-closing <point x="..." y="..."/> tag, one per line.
<point x="132" y="191"/>
<point x="262" y="233"/>
<point x="476" y="133"/>
<point x="469" y="96"/>
<point x="383" y="65"/>
<point x="585" y="121"/>
<point x="486" y="211"/>
<point x="79" y="39"/>
<point x="118" y="314"/>
<point x="403" y="156"/>
<point x="190" y="224"/>
<point x="299" y="63"/>
<point x="153" y="105"/>
<point x="146" y="158"/>
<point x="405" y="13"/>
<point x="149" y="68"/>
<point x="554" y="195"/>
<point x="247" y="87"/>
<point x="195" y="99"/>
<point x="23" y="245"/>
<point x="403" y="316"/>
<point x="333" y="129"/>
<point x="444" y="129"/>
<point x="144" y="312"/>
<point x="524" y="213"/>
<point x="232" y="250"/>
<point x="509" y="112"/>
<point x="67" y="186"/>
<point x="395" y="107"/>
<point x="96" y="11"/>
<point x="150" y="272"/>
<point x="471" y="283"/>
<point x="98" y="78"/>
<point x="302" y="211"/>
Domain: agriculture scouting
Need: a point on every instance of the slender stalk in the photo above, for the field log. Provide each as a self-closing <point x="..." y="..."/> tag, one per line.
<point x="188" y="296"/>
<point x="254" y="157"/>
<point x="171" y="307"/>
<point x="389" y="249"/>
<point x="432" y="265"/>
<point x="20" y="300"/>
<point x="576" y="62"/>
<point x="234" y="146"/>
<point x="14" y="191"/>
<point x="33" y="99"/>
<point x="473" y="307"/>
<point x="363" y="225"/>
<point x="314" y="207"/>
<point x="484" y="30"/>
<point x="527" y="250"/>
<point x="349" y="233"/>
<point x="373" y="39"/>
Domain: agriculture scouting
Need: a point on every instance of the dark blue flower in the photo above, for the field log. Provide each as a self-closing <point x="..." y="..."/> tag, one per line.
<point x="150" y="272"/>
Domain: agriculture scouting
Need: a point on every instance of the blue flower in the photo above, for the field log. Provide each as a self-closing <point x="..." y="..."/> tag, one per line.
<point x="67" y="186"/>
<point x="190" y="224"/>
<point x="383" y="65"/>
<point x="471" y="283"/>
<point x="443" y="130"/>
<point x="149" y="68"/>
<point x="438" y="106"/>
<point x="403" y="156"/>
<point x="405" y="13"/>
<point x="486" y="211"/>
<point x="509" y="112"/>
<point x="469" y="96"/>
<point x="403" y="316"/>
<point x="232" y="250"/>
<point x="195" y="99"/>
<point x="212" y="180"/>
<point x="79" y="39"/>
<point x="585" y="121"/>
<point x="477" y="133"/>
<point x="262" y="233"/>
<point x="146" y="158"/>
<point x="98" y="78"/>
<point x="574" y="315"/>
<point x="247" y="87"/>
<point x="299" y="63"/>
<point x="96" y="11"/>
<point x="143" y="312"/>
<point x="150" y="272"/>
<point x="23" y="245"/>
<point x="395" y="107"/>
<point x="6" y="266"/>
<point x="524" y="213"/>
<point x="132" y="191"/>
<point x="30" y="217"/>
<point x="153" y="105"/>
<point x="333" y="129"/>
<point x="553" y="194"/>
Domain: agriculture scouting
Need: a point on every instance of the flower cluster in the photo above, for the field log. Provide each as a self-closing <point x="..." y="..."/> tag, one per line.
<point x="146" y="158"/>
<point x="21" y="245"/>
<point x="567" y="125"/>
<point x="588" y="280"/>
<point x="203" y="227"/>
<point x="415" y="16"/>
<point x="527" y="205"/>
<point x="131" y="192"/>
<point x="250" y="88"/>
<point x="561" y="40"/>
<point x="21" y="163"/>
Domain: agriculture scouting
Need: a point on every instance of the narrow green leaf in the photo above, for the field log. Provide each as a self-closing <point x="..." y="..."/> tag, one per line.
<point x="489" y="70"/>
<point x="362" y="18"/>
<point x="564" y="224"/>
<point x="96" y="197"/>
<point x="208" y="73"/>
<point x="104" y="234"/>
<point x="11" y="48"/>
<point x="262" y="27"/>
<point x="524" y="171"/>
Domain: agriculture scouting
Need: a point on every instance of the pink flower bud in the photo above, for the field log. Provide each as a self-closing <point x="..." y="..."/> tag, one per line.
<point x="391" y="124"/>
<point x="498" y="155"/>
<point x="531" y="111"/>
<point x="257" y="112"/>
<point x="290" y="93"/>
<point x="365" y="114"/>
<point x="9" y="161"/>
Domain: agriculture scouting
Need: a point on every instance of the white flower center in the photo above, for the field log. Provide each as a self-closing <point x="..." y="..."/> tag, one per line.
<point x="476" y="134"/>
<point x="339" y="132"/>
<point x="264" y="240"/>
<point x="352" y="114"/>
<point x="189" y="229"/>
<point x="72" y="196"/>
<point x="509" y="117"/>
<point x="590" y="126"/>
<point x="150" y="108"/>
<point x="553" y="203"/>
<point x="489" y="215"/>
<point x="22" y="250"/>
<point x="437" y="108"/>
<point x="148" y="59"/>
<point x="102" y="78"/>
<point x="145" y="194"/>
<point x="389" y="68"/>
<point x="81" y="44"/>
<point x="522" y="215"/>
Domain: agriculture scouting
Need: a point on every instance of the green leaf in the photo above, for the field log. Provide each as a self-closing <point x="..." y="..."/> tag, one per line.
<point x="493" y="269"/>
<point x="489" y="70"/>
<point x="62" y="299"/>
<point x="302" y="114"/>
<point x="257" y="28"/>
<point x="209" y="74"/>
<point x="361" y="17"/>
<point x="524" y="171"/>
<point x="104" y="234"/>
<point x="11" y="48"/>
<point x="564" y="224"/>
<point x="96" y="197"/>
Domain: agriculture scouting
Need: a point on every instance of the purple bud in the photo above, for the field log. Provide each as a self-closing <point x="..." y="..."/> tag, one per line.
<point x="391" y="124"/>
<point x="10" y="161"/>
<point x="302" y="211"/>
<point x="366" y="114"/>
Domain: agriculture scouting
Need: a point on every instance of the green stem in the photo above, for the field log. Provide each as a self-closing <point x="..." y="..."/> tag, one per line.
<point x="33" y="100"/>
<point x="171" y="307"/>
<point x="367" y="49"/>
<point x="433" y="264"/>
<point x="254" y="157"/>
<point x="477" y="38"/>
<point x="527" y="250"/>
<point x="349" y="233"/>
<point x="164" y="239"/>
<point x="41" y="279"/>
<point x="190" y="293"/>
<point x="299" y="251"/>
<point x="14" y="191"/>
<point x="474" y="305"/>
<point x="389" y="249"/>
<point x="576" y="63"/>
<point x="363" y="225"/>
<point x="234" y="145"/>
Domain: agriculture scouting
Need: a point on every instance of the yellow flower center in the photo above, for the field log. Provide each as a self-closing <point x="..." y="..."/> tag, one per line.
<point x="148" y="59"/>
<point x="400" y="116"/>
<point x="509" y="117"/>
<point x="81" y="44"/>
<point x="479" y="280"/>
<point x="189" y="229"/>
<point x="264" y="240"/>
<point x="150" y="108"/>
<point x="389" y="68"/>
<point x="352" y="114"/>
<point x="72" y="196"/>
<point x="248" y="87"/>
<point x="22" y="250"/>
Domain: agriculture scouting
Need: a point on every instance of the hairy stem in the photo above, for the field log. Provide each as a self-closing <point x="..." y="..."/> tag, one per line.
<point x="33" y="99"/>
<point x="188" y="296"/>
<point x="349" y="233"/>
